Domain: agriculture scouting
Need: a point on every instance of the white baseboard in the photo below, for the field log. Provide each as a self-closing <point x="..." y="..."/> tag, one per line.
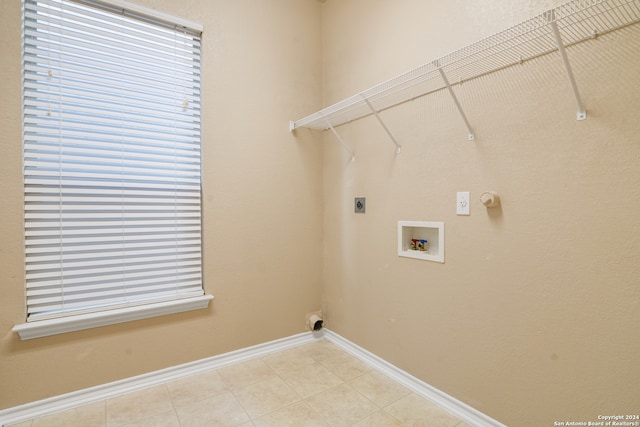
<point x="74" y="399"/>
<point x="450" y="404"/>
<point x="48" y="406"/>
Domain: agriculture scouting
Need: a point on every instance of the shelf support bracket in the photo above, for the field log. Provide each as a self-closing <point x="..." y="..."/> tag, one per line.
<point x="386" y="129"/>
<point x="344" y="145"/>
<point x="582" y="113"/>
<point x="472" y="135"/>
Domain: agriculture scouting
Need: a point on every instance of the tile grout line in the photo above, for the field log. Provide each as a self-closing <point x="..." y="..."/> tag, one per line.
<point x="302" y="399"/>
<point x="173" y="405"/>
<point x="233" y="392"/>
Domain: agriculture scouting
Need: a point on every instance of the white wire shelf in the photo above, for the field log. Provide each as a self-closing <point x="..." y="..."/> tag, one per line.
<point x="565" y="25"/>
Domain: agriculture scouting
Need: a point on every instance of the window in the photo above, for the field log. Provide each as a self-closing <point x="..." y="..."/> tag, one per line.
<point x="112" y="176"/>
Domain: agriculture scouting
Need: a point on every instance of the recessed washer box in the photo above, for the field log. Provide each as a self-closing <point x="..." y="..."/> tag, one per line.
<point x="432" y="232"/>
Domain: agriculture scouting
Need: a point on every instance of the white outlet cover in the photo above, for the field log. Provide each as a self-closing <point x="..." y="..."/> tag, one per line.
<point x="462" y="203"/>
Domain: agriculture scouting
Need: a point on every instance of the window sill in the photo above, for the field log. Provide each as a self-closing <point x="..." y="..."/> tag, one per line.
<point x="79" y="322"/>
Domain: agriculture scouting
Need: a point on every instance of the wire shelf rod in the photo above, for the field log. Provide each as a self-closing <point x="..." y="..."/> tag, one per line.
<point x="471" y="135"/>
<point x="581" y="114"/>
<point x="352" y="156"/>
<point x="386" y="129"/>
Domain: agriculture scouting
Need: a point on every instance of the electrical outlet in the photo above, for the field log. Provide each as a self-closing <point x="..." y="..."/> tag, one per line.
<point x="360" y="205"/>
<point x="462" y="203"/>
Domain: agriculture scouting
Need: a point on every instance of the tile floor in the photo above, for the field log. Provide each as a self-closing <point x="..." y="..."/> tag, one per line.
<point x="315" y="384"/>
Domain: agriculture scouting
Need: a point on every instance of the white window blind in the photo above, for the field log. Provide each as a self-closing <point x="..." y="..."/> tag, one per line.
<point x="112" y="174"/>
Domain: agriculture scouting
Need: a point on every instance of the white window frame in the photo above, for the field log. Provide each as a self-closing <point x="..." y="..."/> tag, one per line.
<point x="132" y="308"/>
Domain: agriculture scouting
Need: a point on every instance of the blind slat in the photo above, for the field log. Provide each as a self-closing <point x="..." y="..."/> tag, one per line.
<point x="50" y="259"/>
<point x="111" y="147"/>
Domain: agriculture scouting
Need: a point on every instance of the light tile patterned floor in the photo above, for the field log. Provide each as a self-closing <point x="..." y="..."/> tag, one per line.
<point x="315" y="384"/>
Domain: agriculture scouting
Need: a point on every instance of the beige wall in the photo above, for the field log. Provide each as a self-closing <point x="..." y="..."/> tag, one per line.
<point x="533" y="317"/>
<point x="262" y="204"/>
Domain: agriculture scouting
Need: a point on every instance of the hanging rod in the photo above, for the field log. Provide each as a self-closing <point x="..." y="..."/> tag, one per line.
<point x="574" y="22"/>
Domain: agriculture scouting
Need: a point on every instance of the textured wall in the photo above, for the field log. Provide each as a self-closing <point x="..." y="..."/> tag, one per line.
<point x="262" y="197"/>
<point x="533" y="317"/>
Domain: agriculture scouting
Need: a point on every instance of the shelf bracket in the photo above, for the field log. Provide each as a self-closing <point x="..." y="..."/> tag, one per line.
<point x="344" y="145"/>
<point x="472" y="135"/>
<point x="582" y="113"/>
<point x="386" y="129"/>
